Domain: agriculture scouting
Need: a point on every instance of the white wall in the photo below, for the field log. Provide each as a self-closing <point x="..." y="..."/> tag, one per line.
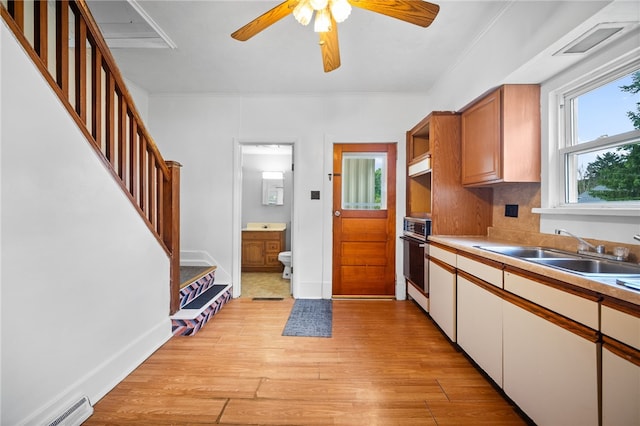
<point x="140" y="99"/>
<point x="84" y="285"/>
<point x="199" y="131"/>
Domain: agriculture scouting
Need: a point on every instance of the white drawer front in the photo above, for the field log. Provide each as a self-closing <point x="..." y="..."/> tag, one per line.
<point x="577" y="308"/>
<point x="444" y="255"/>
<point x="420" y="167"/>
<point x="621" y="326"/>
<point x="484" y="272"/>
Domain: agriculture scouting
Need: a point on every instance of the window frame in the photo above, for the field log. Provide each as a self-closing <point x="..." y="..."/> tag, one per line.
<point x="566" y="136"/>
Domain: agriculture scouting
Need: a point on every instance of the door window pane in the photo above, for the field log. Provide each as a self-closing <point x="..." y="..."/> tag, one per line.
<point x="364" y="181"/>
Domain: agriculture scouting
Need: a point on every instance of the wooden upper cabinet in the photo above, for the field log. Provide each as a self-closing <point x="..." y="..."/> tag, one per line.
<point x="436" y="192"/>
<point x="501" y="136"/>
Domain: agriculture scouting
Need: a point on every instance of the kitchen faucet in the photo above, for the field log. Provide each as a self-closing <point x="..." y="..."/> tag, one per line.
<point x="619" y="253"/>
<point x="599" y="249"/>
<point x="636" y="237"/>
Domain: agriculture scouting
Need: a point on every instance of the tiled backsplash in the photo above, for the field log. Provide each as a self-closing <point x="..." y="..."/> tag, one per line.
<point x="526" y="196"/>
<point x="525" y="229"/>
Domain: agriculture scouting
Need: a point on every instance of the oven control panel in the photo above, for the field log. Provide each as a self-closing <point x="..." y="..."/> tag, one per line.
<point x="417" y="227"/>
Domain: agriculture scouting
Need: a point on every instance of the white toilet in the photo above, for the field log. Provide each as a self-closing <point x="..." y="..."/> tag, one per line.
<point x="285" y="258"/>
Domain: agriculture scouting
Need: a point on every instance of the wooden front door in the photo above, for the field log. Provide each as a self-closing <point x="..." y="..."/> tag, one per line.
<point x="364" y="206"/>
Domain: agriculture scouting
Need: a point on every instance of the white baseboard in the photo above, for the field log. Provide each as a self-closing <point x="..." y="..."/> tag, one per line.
<point x="202" y="258"/>
<point x="196" y="258"/>
<point x="102" y="379"/>
<point x="309" y="290"/>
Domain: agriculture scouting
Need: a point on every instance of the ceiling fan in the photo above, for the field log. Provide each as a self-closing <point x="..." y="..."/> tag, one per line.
<point x="328" y="13"/>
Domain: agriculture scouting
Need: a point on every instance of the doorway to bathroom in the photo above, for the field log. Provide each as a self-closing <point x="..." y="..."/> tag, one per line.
<point x="266" y="220"/>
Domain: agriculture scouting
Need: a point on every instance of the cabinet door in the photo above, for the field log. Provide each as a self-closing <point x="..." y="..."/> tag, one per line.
<point x="620" y="390"/>
<point x="442" y="297"/>
<point x="272" y="249"/>
<point x="480" y="327"/>
<point x="271" y="259"/>
<point x="550" y="372"/>
<point x="481" y="141"/>
<point x="253" y="253"/>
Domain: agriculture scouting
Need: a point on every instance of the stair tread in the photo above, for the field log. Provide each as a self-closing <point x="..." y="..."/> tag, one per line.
<point x="200" y="303"/>
<point x="189" y="274"/>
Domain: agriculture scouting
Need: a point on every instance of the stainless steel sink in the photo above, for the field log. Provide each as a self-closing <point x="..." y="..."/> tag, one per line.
<point x="570" y="262"/>
<point x="592" y="266"/>
<point x="524" y="252"/>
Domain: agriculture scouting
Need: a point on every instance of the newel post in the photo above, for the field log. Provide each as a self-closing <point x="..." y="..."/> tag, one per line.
<point x="171" y="231"/>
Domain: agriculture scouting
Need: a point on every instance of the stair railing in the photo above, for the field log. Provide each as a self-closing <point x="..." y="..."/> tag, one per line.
<point x="65" y="43"/>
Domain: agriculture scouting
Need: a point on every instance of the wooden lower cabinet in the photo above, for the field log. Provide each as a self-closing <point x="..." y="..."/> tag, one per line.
<point x="620" y="387"/>
<point x="442" y="296"/>
<point x="549" y="371"/>
<point x="620" y="364"/>
<point x="260" y="251"/>
<point x="532" y="340"/>
<point x="442" y="290"/>
<point x="564" y="356"/>
<point x="480" y="325"/>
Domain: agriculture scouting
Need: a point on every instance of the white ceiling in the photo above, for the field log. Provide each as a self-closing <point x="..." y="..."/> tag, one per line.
<point x="379" y="54"/>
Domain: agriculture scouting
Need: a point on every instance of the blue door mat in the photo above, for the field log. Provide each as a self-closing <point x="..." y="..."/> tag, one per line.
<point x="311" y="318"/>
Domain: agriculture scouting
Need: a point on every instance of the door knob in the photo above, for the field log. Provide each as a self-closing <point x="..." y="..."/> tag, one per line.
<point x="336" y="213"/>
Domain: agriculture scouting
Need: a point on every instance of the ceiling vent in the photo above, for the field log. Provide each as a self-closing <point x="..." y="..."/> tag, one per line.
<point x="125" y="24"/>
<point x="597" y="36"/>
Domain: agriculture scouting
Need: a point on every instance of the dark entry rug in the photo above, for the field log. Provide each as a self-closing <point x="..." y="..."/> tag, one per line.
<point x="311" y="318"/>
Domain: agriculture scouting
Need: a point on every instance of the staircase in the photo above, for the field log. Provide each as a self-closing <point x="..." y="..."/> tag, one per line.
<point x="66" y="45"/>
<point x="200" y="299"/>
<point x="83" y="73"/>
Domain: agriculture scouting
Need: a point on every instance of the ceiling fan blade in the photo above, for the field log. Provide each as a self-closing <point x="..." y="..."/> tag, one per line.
<point x="330" y="48"/>
<point x="416" y="12"/>
<point x="265" y="20"/>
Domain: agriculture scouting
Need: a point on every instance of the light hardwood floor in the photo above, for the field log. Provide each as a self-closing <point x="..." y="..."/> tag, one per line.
<point x="386" y="364"/>
<point x="264" y="284"/>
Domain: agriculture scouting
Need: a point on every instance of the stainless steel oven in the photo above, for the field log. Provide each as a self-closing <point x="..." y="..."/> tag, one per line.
<point x="416" y="248"/>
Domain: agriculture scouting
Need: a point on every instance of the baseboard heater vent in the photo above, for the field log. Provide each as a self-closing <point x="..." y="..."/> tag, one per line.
<point x="74" y="415"/>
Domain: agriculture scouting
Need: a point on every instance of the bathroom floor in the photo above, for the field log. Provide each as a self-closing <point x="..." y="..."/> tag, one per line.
<point x="264" y="285"/>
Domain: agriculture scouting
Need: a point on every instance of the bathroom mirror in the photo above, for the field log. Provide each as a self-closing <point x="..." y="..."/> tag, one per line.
<point x="272" y="189"/>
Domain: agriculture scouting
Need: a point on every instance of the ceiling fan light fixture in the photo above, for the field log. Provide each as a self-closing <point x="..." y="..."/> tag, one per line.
<point x="303" y="12"/>
<point x="319" y="4"/>
<point x="322" y="23"/>
<point x="340" y="9"/>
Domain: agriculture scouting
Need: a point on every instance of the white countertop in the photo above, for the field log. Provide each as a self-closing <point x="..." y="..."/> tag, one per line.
<point x="265" y="226"/>
<point x="604" y="286"/>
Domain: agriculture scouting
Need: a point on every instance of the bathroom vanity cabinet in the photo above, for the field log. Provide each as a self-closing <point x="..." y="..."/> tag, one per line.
<point x="260" y="250"/>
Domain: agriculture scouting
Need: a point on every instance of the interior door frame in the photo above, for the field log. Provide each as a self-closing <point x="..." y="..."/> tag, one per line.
<point x="327" y="270"/>
<point x="236" y="243"/>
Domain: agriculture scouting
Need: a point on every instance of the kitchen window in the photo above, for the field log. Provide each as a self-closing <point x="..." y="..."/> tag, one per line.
<point x="599" y="147"/>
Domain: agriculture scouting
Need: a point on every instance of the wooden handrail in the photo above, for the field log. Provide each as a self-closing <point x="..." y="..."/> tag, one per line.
<point x="84" y="75"/>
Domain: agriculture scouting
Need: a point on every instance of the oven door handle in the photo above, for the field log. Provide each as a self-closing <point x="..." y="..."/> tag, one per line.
<point x="420" y="243"/>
